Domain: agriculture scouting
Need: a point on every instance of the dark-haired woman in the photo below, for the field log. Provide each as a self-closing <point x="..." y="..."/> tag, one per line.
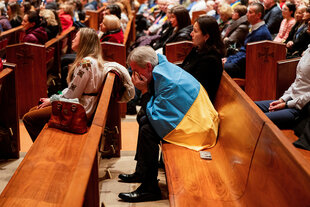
<point x="204" y="61"/>
<point x="288" y="11"/>
<point x="35" y="33"/>
<point x="181" y="23"/>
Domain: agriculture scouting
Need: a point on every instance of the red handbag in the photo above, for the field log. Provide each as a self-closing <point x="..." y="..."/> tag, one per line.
<point x="70" y="117"/>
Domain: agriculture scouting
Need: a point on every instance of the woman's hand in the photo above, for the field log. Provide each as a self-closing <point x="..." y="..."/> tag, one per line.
<point x="277" y="105"/>
<point x="289" y="44"/>
<point x="140" y="82"/>
<point x="45" y="102"/>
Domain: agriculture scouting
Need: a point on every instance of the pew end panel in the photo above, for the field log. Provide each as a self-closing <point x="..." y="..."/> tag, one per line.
<point x="222" y="180"/>
<point x="95" y="17"/>
<point x="30" y="73"/>
<point x="115" y="52"/>
<point x="261" y="64"/>
<point x="177" y="51"/>
<point x="8" y="107"/>
<point x="279" y="174"/>
<point x="286" y="74"/>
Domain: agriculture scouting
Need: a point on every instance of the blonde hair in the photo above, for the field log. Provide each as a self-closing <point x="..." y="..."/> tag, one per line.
<point x="89" y="46"/>
<point x="67" y="8"/>
<point x="111" y="22"/>
<point x="226" y="10"/>
<point x="49" y="16"/>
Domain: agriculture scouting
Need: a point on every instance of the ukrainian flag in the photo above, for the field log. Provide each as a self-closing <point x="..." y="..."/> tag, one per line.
<point x="181" y="111"/>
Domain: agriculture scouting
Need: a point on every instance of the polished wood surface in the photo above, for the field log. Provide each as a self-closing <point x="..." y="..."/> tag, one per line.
<point x="279" y="174"/>
<point x="196" y="14"/>
<point x="114" y="52"/>
<point x="95" y="18"/>
<point x="261" y="69"/>
<point x="8" y="107"/>
<point x="253" y="163"/>
<point x="222" y="179"/>
<point x="177" y="51"/>
<point x="61" y="168"/>
<point x="286" y="74"/>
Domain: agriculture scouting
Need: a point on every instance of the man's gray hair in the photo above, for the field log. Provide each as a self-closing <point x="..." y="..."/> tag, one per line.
<point x="143" y="55"/>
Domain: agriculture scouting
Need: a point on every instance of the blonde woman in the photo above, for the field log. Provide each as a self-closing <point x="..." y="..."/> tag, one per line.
<point x="111" y="30"/>
<point x="85" y="79"/>
<point x="52" y="27"/>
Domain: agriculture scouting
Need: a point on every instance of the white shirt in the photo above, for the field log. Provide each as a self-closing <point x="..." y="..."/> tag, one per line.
<point x="298" y="94"/>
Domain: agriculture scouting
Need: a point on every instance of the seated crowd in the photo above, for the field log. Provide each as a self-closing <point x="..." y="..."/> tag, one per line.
<point x="219" y="43"/>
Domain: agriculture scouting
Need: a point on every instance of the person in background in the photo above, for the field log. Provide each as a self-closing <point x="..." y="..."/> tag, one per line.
<point x="111" y="30"/>
<point x="181" y="23"/>
<point x="25" y="7"/>
<point x="235" y="64"/>
<point x="204" y="62"/>
<point x="65" y="16"/>
<point x="285" y="112"/>
<point x="51" y="4"/>
<point x="299" y="14"/>
<point x="301" y="40"/>
<point x="14" y="14"/>
<point x="35" y="33"/>
<point x="85" y="77"/>
<point x="225" y="12"/>
<point x="288" y="11"/>
<point x="273" y="16"/>
<point x="5" y="23"/>
<point x="52" y="27"/>
<point x="237" y="31"/>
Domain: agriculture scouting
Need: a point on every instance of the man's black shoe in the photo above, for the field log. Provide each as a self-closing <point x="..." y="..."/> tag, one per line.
<point x="130" y="178"/>
<point x="140" y="195"/>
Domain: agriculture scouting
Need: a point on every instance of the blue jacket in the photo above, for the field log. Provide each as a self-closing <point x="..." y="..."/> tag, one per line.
<point x="262" y="33"/>
<point x="273" y="19"/>
<point x="180" y="110"/>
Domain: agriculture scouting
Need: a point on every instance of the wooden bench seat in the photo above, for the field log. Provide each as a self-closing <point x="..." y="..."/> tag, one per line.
<point x="61" y="168"/>
<point x="223" y="181"/>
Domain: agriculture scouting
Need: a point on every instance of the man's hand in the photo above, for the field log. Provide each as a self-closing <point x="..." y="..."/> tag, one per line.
<point x="289" y="44"/>
<point x="140" y="82"/>
<point x="277" y="105"/>
<point x="45" y="102"/>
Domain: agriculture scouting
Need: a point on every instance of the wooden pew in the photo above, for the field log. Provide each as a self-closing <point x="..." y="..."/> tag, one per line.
<point x="61" y="168"/>
<point x="196" y="14"/>
<point x="95" y="18"/>
<point x="261" y="65"/>
<point x="196" y="181"/>
<point x="177" y="51"/>
<point x="115" y="52"/>
<point x="279" y="174"/>
<point x="245" y="161"/>
<point x="8" y="107"/>
<point x="31" y="68"/>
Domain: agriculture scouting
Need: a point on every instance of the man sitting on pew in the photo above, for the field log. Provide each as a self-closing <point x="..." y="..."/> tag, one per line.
<point x="286" y="111"/>
<point x="235" y="64"/>
<point x="175" y="108"/>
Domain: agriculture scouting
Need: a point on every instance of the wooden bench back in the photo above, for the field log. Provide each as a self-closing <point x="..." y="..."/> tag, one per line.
<point x="8" y="107"/>
<point x="177" y="51"/>
<point x="261" y="69"/>
<point x="114" y="52"/>
<point x="286" y="74"/>
<point x="280" y="175"/>
<point x="95" y="18"/>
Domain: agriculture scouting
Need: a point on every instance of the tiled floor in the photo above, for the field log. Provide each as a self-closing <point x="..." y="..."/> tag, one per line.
<point x="111" y="187"/>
